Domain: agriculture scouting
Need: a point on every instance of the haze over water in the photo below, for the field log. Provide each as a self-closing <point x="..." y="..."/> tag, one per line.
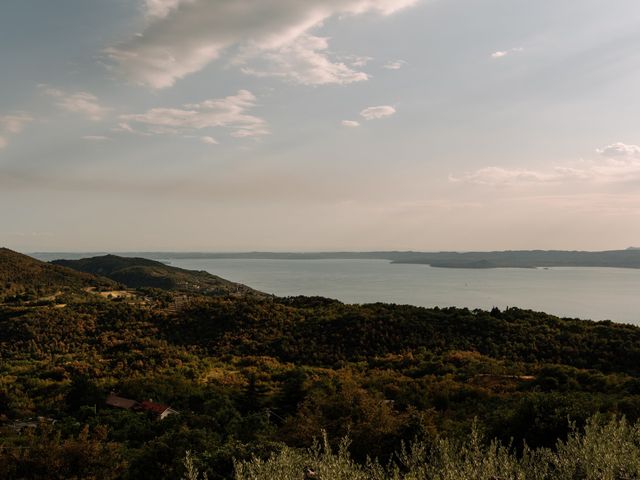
<point x="588" y="293"/>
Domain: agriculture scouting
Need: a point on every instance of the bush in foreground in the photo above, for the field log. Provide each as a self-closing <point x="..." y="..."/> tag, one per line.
<point x="604" y="450"/>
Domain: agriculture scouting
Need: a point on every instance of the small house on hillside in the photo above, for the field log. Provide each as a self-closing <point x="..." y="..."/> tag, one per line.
<point x="22" y="425"/>
<point x="114" y="400"/>
<point x="159" y="410"/>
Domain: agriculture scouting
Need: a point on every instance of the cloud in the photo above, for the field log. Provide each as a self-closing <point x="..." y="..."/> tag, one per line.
<point x="124" y="127"/>
<point x="395" y="65"/>
<point x="621" y="165"/>
<point x="83" y="103"/>
<point x="620" y="149"/>
<point x="11" y="125"/>
<point x="305" y="62"/>
<point x="161" y="8"/>
<point x="95" y="138"/>
<point x="374" y="113"/>
<point x="230" y="112"/>
<point x="14" y="124"/>
<point x="184" y="36"/>
<point x="209" y="141"/>
<point x="350" y="123"/>
<point x="356" y="61"/>
<point x="504" y="53"/>
<point x="495" y="176"/>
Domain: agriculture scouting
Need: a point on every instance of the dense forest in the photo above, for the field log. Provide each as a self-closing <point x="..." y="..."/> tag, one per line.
<point x="265" y="387"/>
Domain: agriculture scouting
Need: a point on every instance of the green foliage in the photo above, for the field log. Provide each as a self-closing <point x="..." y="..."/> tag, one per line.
<point x="191" y="470"/>
<point x="251" y="374"/>
<point x="603" y="451"/>
<point x="44" y="455"/>
<point x="330" y="333"/>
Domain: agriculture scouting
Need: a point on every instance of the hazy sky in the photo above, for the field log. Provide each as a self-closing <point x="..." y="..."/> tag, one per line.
<point x="230" y="125"/>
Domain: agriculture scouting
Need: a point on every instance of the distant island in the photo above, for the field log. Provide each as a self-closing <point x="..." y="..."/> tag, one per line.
<point x="629" y="258"/>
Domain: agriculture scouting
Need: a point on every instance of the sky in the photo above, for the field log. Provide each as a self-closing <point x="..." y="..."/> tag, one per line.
<point x="289" y="125"/>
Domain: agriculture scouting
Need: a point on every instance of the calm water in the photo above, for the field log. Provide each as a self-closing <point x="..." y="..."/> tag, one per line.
<point x="590" y="293"/>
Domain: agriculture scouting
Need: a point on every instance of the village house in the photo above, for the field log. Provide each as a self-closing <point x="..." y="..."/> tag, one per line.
<point x="159" y="410"/>
<point x="19" y="426"/>
<point x="114" y="400"/>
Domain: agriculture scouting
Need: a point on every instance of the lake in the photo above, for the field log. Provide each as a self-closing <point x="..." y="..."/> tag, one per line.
<point x="582" y="292"/>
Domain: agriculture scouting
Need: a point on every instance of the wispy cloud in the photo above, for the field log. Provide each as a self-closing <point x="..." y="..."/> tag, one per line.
<point x="184" y="36"/>
<point x="12" y="125"/>
<point x="495" y="176"/>
<point x="621" y="164"/>
<point x="350" y="123"/>
<point x="504" y="53"/>
<point x="356" y="61"/>
<point x="95" y="138"/>
<point x="395" y="65"/>
<point x="83" y="103"/>
<point x="161" y="8"/>
<point x="619" y="149"/>
<point x="209" y="140"/>
<point x="230" y="113"/>
<point x="374" y="113"/>
<point x="306" y="62"/>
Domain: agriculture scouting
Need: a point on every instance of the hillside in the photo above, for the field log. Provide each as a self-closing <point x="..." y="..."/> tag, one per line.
<point x="317" y="331"/>
<point x="140" y="273"/>
<point x="251" y="373"/>
<point x="23" y="275"/>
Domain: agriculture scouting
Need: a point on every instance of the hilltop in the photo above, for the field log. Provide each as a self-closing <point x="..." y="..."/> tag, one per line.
<point x="143" y="273"/>
<point x="23" y="275"/>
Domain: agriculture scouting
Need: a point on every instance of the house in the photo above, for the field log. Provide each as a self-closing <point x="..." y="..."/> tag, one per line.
<point x="161" y="411"/>
<point x="114" y="400"/>
<point x="30" y="423"/>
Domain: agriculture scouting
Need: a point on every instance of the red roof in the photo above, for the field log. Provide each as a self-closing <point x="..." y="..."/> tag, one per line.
<point x="119" y="402"/>
<point x="157" y="408"/>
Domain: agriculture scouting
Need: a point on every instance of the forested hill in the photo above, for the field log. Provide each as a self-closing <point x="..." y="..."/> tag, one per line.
<point x="319" y="331"/>
<point x="20" y="275"/>
<point x="141" y="272"/>
<point x="251" y="373"/>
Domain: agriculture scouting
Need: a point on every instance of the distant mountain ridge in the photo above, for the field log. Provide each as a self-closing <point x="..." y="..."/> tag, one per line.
<point x="629" y="258"/>
<point x="22" y="274"/>
<point x="136" y="272"/>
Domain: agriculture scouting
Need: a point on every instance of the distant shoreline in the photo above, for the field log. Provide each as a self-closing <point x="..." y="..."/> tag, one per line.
<point x="629" y="258"/>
